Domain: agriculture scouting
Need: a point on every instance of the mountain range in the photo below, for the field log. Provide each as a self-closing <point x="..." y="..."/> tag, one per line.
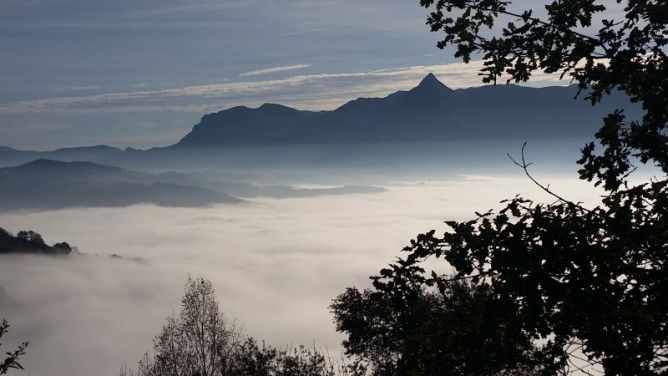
<point x="427" y="113"/>
<point x="430" y="112"/>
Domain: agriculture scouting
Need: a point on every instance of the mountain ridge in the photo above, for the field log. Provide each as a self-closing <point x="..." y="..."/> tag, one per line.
<point x="431" y="111"/>
<point x="47" y="184"/>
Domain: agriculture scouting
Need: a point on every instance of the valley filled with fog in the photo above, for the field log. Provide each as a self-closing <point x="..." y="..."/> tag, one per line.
<point x="275" y="263"/>
<point x="333" y="188"/>
<point x="280" y="224"/>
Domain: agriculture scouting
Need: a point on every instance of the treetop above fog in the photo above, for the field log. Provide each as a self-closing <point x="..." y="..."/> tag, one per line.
<point x="30" y="242"/>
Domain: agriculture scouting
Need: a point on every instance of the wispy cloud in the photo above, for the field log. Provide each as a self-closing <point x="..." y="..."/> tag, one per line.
<point x="314" y="91"/>
<point x="274" y="70"/>
<point x="79" y="88"/>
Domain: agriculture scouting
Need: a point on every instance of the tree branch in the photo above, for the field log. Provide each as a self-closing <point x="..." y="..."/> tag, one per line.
<point x="594" y="40"/>
<point x="525" y="166"/>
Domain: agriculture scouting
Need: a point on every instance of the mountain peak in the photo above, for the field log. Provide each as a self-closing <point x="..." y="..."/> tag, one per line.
<point x="430" y="79"/>
<point x="431" y="82"/>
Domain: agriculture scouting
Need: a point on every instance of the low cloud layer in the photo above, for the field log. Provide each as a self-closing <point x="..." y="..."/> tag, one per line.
<point x="276" y="264"/>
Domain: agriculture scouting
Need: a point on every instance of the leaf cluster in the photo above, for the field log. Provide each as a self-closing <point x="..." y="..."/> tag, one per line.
<point x="12" y="357"/>
<point x="462" y="329"/>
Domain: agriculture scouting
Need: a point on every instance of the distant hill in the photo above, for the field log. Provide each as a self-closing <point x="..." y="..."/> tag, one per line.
<point x="29" y="242"/>
<point x="10" y="156"/>
<point x="47" y="184"/>
<point x="427" y="113"/>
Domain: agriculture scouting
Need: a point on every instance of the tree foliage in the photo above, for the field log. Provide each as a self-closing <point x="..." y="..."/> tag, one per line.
<point x="200" y="341"/>
<point x="30" y="242"/>
<point x="12" y="357"/>
<point x="587" y="286"/>
<point x="398" y="334"/>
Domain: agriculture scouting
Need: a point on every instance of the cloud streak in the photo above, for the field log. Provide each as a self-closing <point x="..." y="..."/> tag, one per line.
<point x="274" y="70"/>
<point x="313" y="91"/>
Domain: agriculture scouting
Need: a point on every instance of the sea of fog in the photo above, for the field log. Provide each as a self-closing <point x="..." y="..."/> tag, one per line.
<point x="275" y="264"/>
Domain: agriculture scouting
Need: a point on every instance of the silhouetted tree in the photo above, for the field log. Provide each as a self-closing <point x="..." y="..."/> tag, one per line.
<point x="588" y="286"/>
<point x="460" y="330"/>
<point x="62" y="248"/>
<point x="200" y="341"/>
<point x="30" y="242"/>
<point x="263" y="360"/>
<point x="12" y="359"/>
<point x="30" y="236"/>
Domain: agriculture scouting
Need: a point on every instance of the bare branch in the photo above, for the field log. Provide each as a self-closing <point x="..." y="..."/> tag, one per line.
<point x="525" y="166"/>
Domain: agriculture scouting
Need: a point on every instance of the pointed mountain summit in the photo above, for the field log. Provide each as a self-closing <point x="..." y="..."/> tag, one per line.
<point x="429" y="78"/>
<point x="430" y="82"/>
<point x="431" y="93"/>
<point x="429" y="88"/>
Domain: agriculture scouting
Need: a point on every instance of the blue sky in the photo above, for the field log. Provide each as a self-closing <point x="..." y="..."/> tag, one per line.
<point x="140" y="73"/>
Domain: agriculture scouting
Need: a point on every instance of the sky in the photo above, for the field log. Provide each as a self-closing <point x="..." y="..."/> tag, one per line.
<point x="141" y="73"/>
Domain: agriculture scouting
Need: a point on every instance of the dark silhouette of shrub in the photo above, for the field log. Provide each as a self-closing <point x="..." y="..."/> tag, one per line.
<point x="30" y="242"/>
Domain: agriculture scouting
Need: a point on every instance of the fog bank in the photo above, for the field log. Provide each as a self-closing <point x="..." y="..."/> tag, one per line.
<point x="276" y="264"/>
